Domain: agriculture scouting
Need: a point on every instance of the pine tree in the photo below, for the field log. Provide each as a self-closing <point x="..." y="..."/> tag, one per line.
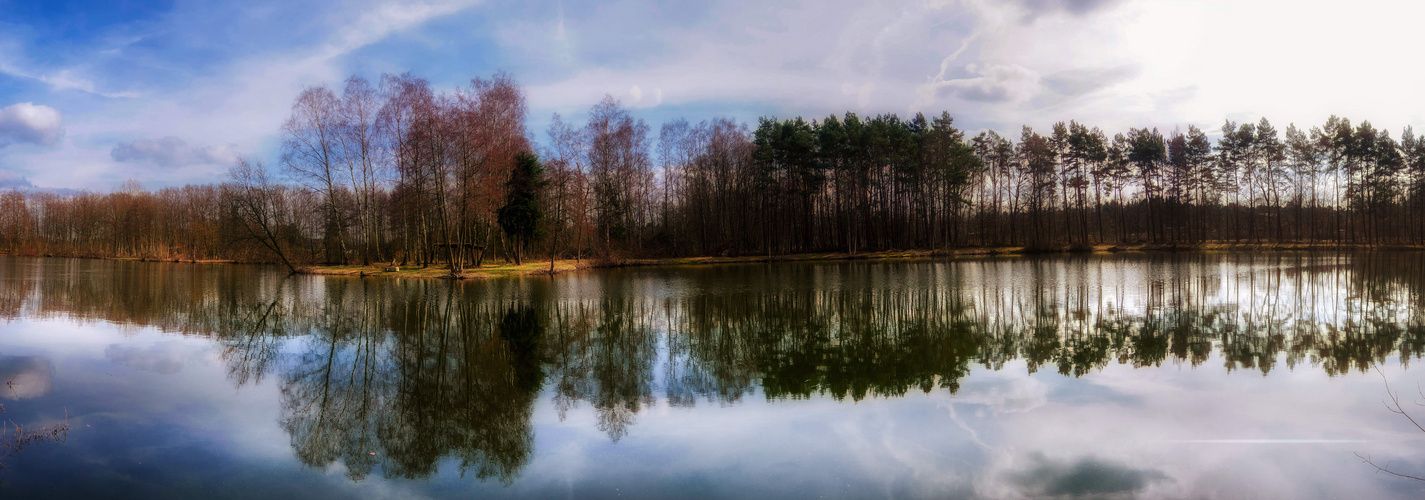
<point x="522" y="213"/>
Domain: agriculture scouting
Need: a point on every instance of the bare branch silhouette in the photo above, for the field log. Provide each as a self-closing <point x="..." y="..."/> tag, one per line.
<point x="1395" y="407"/>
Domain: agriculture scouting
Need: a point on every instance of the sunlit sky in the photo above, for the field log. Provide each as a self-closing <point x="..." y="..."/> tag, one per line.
<point x="167" y="93"/>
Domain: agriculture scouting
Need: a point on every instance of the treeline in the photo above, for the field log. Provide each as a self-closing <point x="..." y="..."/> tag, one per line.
<point x="421" y="371"/>
<point x="398" y="172"/>
<point x="792" y="337"/>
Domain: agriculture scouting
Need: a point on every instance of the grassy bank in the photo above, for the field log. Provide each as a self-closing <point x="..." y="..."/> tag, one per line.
<point x="564" y="266"/>
<point x="495" y="270"/>
<point x="537" y="268"/>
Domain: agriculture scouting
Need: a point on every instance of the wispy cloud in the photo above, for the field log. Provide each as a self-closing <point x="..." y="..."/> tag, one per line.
<point x="60" y="79"/>
<point x="182" y="131"/>
<point x="225" y="73"/>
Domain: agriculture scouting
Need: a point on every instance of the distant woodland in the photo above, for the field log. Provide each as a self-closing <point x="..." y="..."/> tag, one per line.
<point x="394" y="171"/>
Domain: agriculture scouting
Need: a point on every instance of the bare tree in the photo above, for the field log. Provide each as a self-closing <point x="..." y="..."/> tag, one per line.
<point x="567" y="187"/>
<point x="620" y="171"/>
<point x="255" y="204"/>
<point x="365" y="157"/>
<point x="312" y="155"/>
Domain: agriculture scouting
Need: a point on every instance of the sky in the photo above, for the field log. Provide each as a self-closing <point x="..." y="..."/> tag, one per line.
<point x="169" y="92"/>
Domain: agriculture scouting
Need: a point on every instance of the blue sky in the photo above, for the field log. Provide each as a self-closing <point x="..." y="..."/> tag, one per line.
<point x="168" y="92"/>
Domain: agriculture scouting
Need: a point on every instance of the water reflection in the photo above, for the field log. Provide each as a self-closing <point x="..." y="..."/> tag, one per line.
<point x="1087" y="477"/>
<point x="393" y="377"/>
<point x="25" y="377"/>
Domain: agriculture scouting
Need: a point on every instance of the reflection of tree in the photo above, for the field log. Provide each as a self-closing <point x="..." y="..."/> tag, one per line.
<point x="448" y="378"/>
<point x="17" y="284"/>
<point x="402" y="374"/>
<point x="394" y="376"/>
<point x="1394" y="405"/>
<point x="253" y="332"/>
<point x="606" y="359"/>
<point x="838" y="343"/>
<point x="334" y="392"/>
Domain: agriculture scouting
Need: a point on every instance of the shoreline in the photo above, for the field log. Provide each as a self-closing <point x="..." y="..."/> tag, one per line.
<point x="563" y="266"/>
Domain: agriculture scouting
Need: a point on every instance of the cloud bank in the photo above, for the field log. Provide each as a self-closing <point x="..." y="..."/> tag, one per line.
<point x="13" y="180"/>
<point x="999" y="83"/>
<point x="171" y="152"/>
<point x="30" y="123"/>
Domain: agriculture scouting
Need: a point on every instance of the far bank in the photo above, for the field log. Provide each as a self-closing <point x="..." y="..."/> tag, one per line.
<point x="561" y="266"/>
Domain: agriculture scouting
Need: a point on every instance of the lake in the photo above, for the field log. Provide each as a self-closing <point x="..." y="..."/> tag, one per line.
<point x="1075" y="376"/>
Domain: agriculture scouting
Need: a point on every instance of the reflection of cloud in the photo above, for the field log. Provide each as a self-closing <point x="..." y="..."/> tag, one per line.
<point x="1086" y="477"/>
<point x="1002" y="394"/>
<point x="161" y="358"/>
<point x="1085" y="393"/>
<point x="25" y="377"/>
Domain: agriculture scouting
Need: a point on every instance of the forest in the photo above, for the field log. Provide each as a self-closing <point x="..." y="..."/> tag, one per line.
<point x="398" y="172"/>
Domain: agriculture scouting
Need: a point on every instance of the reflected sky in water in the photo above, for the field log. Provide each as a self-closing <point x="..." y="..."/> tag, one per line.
<point x="1128" y="376"/>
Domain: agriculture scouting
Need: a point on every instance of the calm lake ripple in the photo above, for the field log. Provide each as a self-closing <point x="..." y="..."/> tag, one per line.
<point x="1104" y="376"/>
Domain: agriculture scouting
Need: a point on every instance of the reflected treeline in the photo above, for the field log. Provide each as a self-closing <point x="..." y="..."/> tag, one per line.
<point x="401" y="375"/>
<point x="401" y="378"/>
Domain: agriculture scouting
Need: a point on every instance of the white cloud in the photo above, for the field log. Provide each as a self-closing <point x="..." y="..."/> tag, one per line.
<point x="31" y="123"/>
<point x="862" y="93"/>
<point x="995" y="64"/>
<point x="559" y="30"/>
<point x="236" y="107"/>
<point x="992" y="63"/>
<point x="386" y="19"/>
<point x="1035" y="8"/>
<point x="172" y="152"/>
<point x="64" y="79"/>
<point x="12" y="180"/>
<point x="999" y="83"/>
<point x="1080" y="81"/>
<point x="792" y="57"/>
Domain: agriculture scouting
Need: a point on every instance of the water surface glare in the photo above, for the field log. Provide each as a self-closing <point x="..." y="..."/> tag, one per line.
<point x="1116" y="376"/>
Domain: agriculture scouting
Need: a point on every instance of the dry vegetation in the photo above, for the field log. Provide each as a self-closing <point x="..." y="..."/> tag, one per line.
<point x="14" y="437"/>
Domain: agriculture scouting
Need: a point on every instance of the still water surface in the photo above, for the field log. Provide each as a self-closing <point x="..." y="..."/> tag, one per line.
<point x="1130" y="376"/>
